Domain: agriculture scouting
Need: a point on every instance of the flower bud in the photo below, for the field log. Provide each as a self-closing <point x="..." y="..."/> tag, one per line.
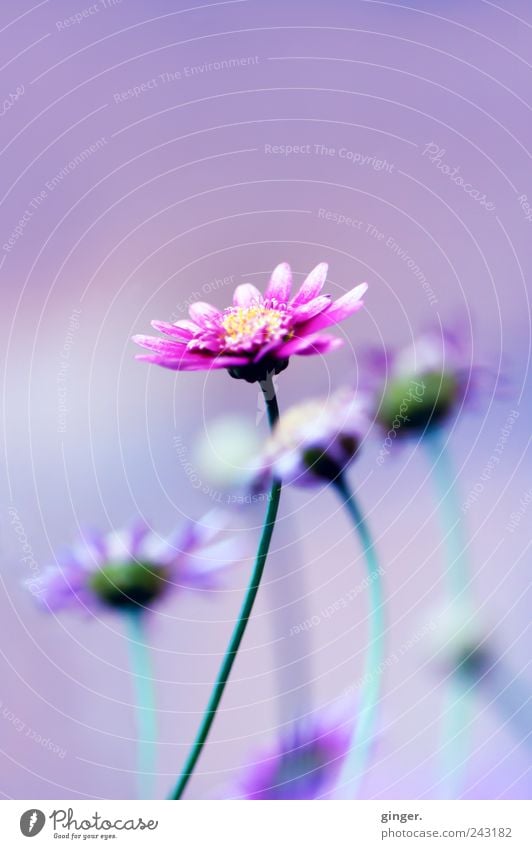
<point x="126" y="585"/>
<point x="313" y="442"/>
<point x="411" y="404"/>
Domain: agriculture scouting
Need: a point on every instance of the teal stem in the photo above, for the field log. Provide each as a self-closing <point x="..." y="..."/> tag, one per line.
<point x="450" y="515"/>
<point x="356" y="763"/>
<point x="291" y="654"/>
<point x="456" y="716"/>
<point x="145" y="702"/>
<point x="245" y="612"/>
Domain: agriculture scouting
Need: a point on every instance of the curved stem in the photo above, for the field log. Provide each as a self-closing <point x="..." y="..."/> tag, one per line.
<point x="451" y="520"/>
<point x="145" y="701"/>
<point x="358" y="756"/>
<point x="455" y="725"/>
<point x="245" y="612"/>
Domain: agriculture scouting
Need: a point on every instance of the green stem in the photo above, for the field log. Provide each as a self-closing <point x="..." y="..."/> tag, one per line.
<point x="359" y="753"/>
<point x="145" y="701"/>
<point x="451" y="520"/>
<point x="291" y="655"/>
<point x="455" y="732"/>
<point x="245" y="612"/>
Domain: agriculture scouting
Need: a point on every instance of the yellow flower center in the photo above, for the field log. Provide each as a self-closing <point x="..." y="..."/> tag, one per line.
<point x="256" y="324"/>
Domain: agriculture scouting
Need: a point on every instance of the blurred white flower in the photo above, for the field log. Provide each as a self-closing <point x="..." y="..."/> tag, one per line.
<point x="226" y="454"/>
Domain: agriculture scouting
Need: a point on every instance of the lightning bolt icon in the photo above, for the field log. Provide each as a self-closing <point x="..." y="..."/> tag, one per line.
<point x="33" y="820"/>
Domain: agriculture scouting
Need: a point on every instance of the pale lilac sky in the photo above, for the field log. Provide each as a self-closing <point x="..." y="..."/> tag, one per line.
<point x="225" y="139"/>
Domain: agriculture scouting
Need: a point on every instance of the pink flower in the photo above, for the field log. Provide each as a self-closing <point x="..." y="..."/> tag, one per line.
<point x="315" y="441"/>
<point x="131" y="569"/>
<point x="303" y="764"/>
<point x="424" y="384"/>
<point x="259" y="333"/>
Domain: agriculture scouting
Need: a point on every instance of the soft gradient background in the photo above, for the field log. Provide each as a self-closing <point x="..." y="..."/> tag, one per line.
<point x="180" y="194"/>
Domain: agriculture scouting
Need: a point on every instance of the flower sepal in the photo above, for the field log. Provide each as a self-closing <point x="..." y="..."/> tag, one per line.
<point x="412" y="404"/>
<point x="259" y="372"/>
<point x="129" y="585"/>
<point x="314" y="442"/>
<point x="320" y="464"/>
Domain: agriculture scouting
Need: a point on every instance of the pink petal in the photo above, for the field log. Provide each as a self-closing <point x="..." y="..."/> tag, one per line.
<point x="182" y="329"/>
<point x="310" y="345"/>
<point x="137" y="534"/>
<point x="96" y="544"/>
<point x="207" y="342"/>
<point x="267" y="349"/>
<point x="188" y="326"/>
<point x="210" y="526"/>
<point x="203" y="314"/>
<point x="280" y="284"/>
<point x="223" y="362"/>
<point x="246" y="295"/>
<point x="376" y="361"/>
<point x="203" y="571"/>
<point x="311" y="308"/>
<point x="348" y="303"/>
<point x="164" y="347"/>
<point x="338" y="311"/>
<point x="321" y="345"/>
<point x="312" y="285"/>
<point x="174" y="365"/>
<point x="194" y="534"/>
<point x="189" y="362"/>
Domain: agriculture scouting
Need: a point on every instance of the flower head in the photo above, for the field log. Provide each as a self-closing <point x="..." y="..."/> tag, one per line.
<point x="134" y="568"/>
<point x="317" y="439"/>
<point x="424" y="384"/>
<point x="303" y="764"/>
<point x="258" y="334"/>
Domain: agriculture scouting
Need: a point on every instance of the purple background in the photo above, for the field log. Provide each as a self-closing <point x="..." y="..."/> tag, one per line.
<point x="182" y="193"/>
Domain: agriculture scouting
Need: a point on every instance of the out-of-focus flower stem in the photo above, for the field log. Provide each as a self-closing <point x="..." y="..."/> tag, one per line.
<point x="245" y="612"/>
<point x="457" y="714"/>
<point x="292" y="657"/>
<point x="357" y="760"/>
<point x="145" y="702"/>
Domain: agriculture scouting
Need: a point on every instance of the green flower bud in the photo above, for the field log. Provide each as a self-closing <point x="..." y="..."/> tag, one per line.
<point x="412" y="404"/>
<point x="323" y="464"/>
<point x="129" y="584"/>
<point x="320" y="464"/>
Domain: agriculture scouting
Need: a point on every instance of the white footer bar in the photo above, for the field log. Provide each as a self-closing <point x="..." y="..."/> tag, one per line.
<point x="268" y="825"/>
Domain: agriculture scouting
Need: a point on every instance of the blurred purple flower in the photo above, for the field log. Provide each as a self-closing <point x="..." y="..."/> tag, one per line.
<point x="304" y="764"/>
<point x="131" y="569"/>
<point x="259" y="333"/>
<point x="424" y="384"/>
<point x="317" y="439"/>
